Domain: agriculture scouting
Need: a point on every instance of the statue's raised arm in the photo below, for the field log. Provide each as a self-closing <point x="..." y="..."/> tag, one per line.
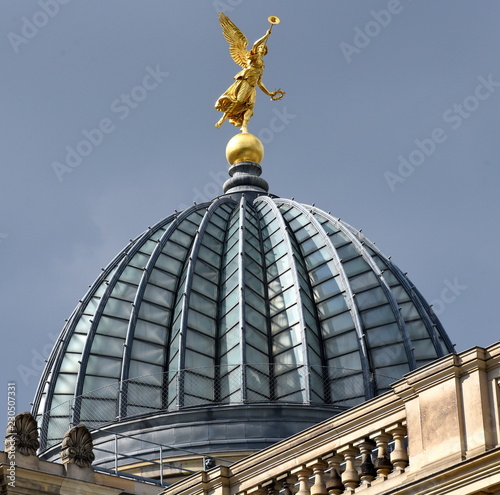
<point x="238" y="101"/>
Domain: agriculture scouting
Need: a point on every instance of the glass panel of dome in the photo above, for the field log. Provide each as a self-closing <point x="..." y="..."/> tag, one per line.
<point x="157" y="295"/>
<point x="211" y="242"/>
<point x="312" y="244"/>
<point x="195" y="360"/>
<point x="252" y="266"/>
<point x="229" y="284"/>
<point x="199" y="342"/>
<point x="132" y="275"/>
<point x="229" y="339"/>
<point x="322" y="272"/>
<point x="209" y="256"/>
<point x="337" y="324"/>
<point x="393" y="372"/>
<point x="291" y="356"/>
<point x="218" y="221"/>
<point x="141" y="394"/>
<point x="424" y="350"/>
<point x="103" y="366"/>
<point x="108" y="346"/>
<point x="108" y="387"/>
<point x="388" y="355"/>
<point x="346" y="387"/>
<point x="364" y="281"/>
<point x="205" y="287"/>
<point x="254" y="356"/>
<point x="370" y="298"/>
<point x="417" y="330"/>
<point x="231" y="357"/>
<point x="215" y="232"/>
<point x="125" y="291"/>
<point x="332" y="306"/>
<point x="70" y="362"/>
<point x="305" y="233"/>
<point x="355" y="266"/>
<point x="285" y="319"/>
<point x="181" y="238"/>
<point x="190" y="225"/>
<point x="347" y="252"/>
<point x="409" y="311"/>
<point x="76" y="343"/>
<point x="148" y="247"/>
<point x="281" y="283"/>
<point x="230" y="266"/>
<point x="149" y="373"/>
<point x="346" y="362"/>
<point x="149" y="331"/>
<point x="377" y="316"/>
<point x="173" y="250"/>
<point x="84" y="324"/>
<point x="201" y="322"/>
<point x="383" y="335"/>
<point x="65" y="383"/>
<point x="255" y="283"/>
<point x="144" y="351"/>
<point x="92" y="305"/>
<point x="338" y="239"/>
<point x="342" y="344"/>
<point x="207" y="271"/>
<point x="257" y="339"/>
<point x="255" y="318"/>
<point x="163" y="279"/>
<point x="156" y="314"/>
<point x="326" y="289"/>
<point x="255" y="300"/>
<point x="400" y="293"/>
<point x="139" y="260"/>
<point x="118" y="308"/>
<point x="202" y="304"/>
<point x="230" y="301"/>
<point x="230" y="319"/>
<point x="94" y="411"/>
<point x="317" y="257"/>
<point x="390" y="278"/>
<point x="286" y="339"/>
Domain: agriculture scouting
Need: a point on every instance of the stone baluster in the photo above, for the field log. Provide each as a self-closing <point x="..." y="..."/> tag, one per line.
<point x="350" y="477"/>
<point x="319" y="487"/>
<point x="288" y="485"/>
<point x="273" y="487"/>
<point x="368" y="471"/>
<point x="383" y="463"/>
<point x="334" y="484"/>
<point x="399" y="456"/>
<point x="303" y="476"/>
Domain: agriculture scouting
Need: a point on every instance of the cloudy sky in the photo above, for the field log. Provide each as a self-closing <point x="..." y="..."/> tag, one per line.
<point x="390" y="121"/>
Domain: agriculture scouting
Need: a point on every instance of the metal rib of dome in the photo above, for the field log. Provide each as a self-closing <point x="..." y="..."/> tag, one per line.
<point x="242" y="300"/>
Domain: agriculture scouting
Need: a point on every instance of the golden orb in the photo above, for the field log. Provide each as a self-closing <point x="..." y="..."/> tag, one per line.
<point x="244" y="147"/>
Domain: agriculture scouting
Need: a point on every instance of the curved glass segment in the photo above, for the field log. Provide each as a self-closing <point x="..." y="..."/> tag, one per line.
<point x="232" y="302"/>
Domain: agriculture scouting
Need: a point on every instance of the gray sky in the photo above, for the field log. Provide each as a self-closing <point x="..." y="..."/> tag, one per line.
<point x="390" y="121"/>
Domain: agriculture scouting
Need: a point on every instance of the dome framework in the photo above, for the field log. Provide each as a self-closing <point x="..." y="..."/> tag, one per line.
<point x="247" y="299"/>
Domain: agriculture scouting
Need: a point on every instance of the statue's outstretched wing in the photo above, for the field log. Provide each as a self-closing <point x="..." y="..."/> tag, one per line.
<point x="237" y="40"/>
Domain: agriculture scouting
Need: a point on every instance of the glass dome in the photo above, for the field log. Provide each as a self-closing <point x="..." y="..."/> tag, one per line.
<point x="249" y="303"/>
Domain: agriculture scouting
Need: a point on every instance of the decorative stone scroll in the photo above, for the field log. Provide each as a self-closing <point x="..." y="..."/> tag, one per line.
<point x="77" y="447"/>
<point x="22" y="434"/>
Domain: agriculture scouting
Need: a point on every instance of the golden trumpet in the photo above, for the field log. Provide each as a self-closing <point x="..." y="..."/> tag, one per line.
<point x="273" y="19"/>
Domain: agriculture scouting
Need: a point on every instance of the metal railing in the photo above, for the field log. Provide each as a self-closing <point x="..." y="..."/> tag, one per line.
<point x="208" y="386"/>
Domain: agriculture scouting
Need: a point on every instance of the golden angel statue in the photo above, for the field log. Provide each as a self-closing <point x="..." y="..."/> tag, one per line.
<point x="239" y="99"/>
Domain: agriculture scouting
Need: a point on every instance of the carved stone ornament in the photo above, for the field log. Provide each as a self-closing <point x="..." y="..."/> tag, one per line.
<point x="22" y="434"/>
<point x="77" y="447"/>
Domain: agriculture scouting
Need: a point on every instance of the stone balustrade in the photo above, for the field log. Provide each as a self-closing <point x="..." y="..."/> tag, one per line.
<point x="440" y="423"/>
